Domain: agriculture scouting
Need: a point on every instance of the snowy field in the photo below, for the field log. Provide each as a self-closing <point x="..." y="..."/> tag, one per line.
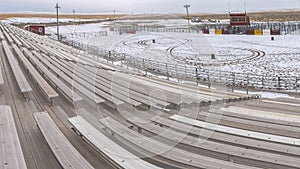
<point x="94" y="27"/>
<point x="282" y="56"/>
<point x="233" y="53"/>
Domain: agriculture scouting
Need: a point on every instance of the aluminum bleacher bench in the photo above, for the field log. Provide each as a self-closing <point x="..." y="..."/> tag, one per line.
<point x="11" y="155"/>
<point x="1" y="75"/>
<point x="41" y="82"/>
<point x="88" y="92"/>
<point x="1" y="35"/>
<point x="282" y="103"/>
<point x="236" y="131"/>
<point x="15" y="40"/>
<point x="264" y="114"/>
<point x="230" y="139"/>
<point x="228" y="119"/>
<point x="68" y="92"/>
<point x="19" y="75"/>
<point x="251" y="124"/>
<point x="9" y="39"/>
<point x="164" y="150"/>
<point x="118" y="156"/>
<point x="137" y="92"/>
<point x="64" y="151"/>
<point x="218" y="149"/>
<point x="88" y="83"/>
<point x="117" y="98"/>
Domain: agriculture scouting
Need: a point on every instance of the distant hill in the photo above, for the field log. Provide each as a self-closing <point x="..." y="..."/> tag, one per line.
<point x="284" y="15"/>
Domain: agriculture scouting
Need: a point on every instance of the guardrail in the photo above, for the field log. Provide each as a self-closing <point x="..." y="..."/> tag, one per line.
<point x="193" y="73"/>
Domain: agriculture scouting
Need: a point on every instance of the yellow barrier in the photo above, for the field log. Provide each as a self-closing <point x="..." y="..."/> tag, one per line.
<point x="218" y="31"/>
<point x="258" y="32"/>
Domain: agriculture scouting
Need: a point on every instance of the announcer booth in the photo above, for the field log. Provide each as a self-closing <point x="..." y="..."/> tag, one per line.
<point x="37" y="29"/>
<point x="239" y="23"/>
<point x="239" y="19"/>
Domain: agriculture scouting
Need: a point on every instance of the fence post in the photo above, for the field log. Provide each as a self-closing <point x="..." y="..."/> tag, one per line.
<point x="197" y="83"/>
<point x="167" y="71"/>
<point x="278" y="83"/>
<point x="176" y="73"/>
<point x="129" y="62"/>
<point x="144" y="67"/>
<point x="247" y="90"/>
<point x="262" y="82"/>
<point x="233" y="81"/>
<point x="122" y="61"/>
<point x="208" y="78"/>
<point x="158" y="66"/>
<point x="296" y="84"/>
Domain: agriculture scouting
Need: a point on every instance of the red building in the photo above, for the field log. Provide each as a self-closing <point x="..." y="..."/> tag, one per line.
<point x="239" y="19"/>
<point x="38" y="29"/>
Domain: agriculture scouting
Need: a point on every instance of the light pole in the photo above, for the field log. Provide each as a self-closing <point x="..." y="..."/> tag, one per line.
<point x="188" y="15"/>
<point x="74" y="15"/>
<point x="57" y="7"/>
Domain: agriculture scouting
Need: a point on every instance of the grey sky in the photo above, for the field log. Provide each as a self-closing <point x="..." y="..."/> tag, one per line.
<point x="145" y="6"/>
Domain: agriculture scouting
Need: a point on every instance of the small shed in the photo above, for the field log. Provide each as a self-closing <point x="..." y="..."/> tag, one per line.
<point x="38" y="29"/>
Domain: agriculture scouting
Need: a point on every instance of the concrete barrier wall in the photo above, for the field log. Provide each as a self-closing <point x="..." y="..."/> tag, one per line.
<point x="266" y="32"/>
<point x="218" y="31"/>
<point x="258" y="32"/>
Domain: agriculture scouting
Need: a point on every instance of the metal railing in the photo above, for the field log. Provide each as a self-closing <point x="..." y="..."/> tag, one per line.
<point x="193" y="73"/>
<point x="284" y="27"/>
<point x="85" y="34"/>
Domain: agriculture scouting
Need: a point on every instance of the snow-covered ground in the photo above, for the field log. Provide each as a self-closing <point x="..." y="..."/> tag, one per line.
<point x="93" y="27"/>
<point x="282" y="56"/>
<point x="234" y="53"/>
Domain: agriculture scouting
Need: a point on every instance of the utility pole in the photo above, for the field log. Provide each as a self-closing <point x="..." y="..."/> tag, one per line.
<point x="74" y="15"/>
<point x="245" y="6"/>
<point x="188" y="15"/>
<point x="114" y="14"/>
<point x="228" y="6"/>
<point x="57" y="8"/>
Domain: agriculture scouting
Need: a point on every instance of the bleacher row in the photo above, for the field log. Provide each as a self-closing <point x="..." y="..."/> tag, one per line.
<point x="244" y="138"/>
<point x="62" y="65"/>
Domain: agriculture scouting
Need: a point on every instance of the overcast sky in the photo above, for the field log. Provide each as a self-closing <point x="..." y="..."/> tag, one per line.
<point x="145" y="6"/>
